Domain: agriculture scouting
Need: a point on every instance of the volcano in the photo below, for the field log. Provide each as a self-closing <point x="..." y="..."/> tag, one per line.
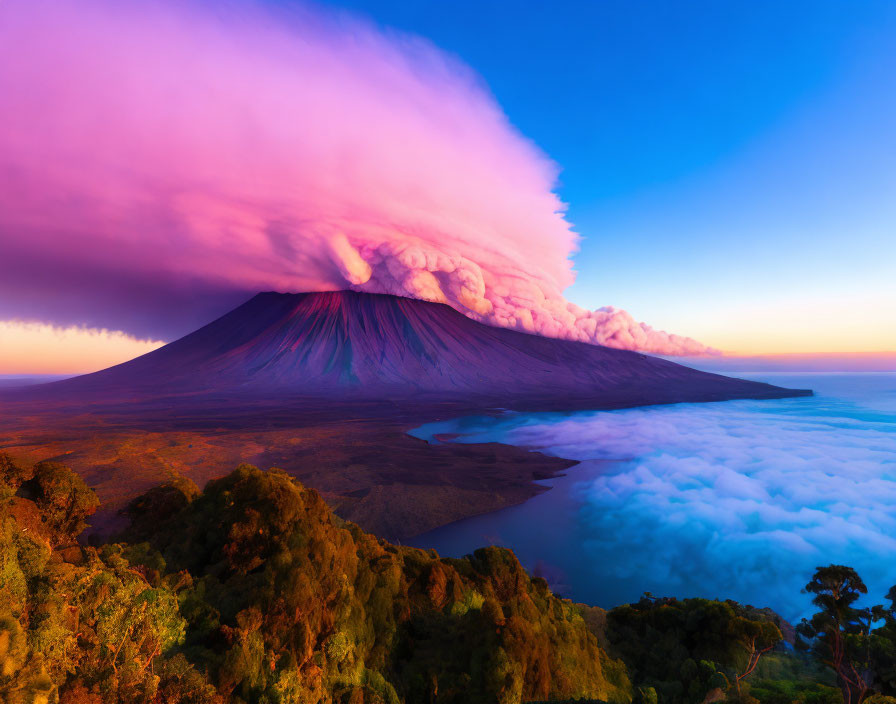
<point x="347" y="345"/>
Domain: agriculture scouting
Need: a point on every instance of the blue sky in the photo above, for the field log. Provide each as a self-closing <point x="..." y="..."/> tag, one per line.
<point x="730" y="166"/>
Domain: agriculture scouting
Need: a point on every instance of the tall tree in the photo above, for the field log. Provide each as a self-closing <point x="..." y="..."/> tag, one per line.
<point x="756" y="638"/>
<point x="838" y="634"/>
<point x="883" y="647"/>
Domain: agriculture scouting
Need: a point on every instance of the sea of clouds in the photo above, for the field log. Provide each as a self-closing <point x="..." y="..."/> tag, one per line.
<point x="735" y="500"/>
<point x="160" y="161"/>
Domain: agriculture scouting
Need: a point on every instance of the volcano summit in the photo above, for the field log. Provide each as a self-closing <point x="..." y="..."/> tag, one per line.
<point x="346" y="345"/>
<point x="326" y="386"/>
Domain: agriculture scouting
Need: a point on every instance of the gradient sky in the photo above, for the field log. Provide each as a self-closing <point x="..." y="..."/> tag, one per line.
<point x="731" y="166"/>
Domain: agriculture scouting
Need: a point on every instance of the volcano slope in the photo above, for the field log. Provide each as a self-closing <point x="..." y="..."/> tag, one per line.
<point x="348" y="345"/>
<point x="325" y="386"/>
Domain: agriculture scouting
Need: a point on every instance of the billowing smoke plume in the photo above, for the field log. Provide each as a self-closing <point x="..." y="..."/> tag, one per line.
<point x="153" y="153"/>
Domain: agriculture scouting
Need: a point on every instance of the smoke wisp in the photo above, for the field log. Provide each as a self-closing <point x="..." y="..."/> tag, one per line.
<point x="153" y="153"/>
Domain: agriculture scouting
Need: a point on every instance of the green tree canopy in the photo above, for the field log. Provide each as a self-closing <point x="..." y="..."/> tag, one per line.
<point x="683" y="648"/>
<point x="838" y="633"/>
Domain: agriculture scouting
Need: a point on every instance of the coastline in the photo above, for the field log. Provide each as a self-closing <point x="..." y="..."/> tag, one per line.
<point x="360" y="454"/>
<point x="679" y="512"/>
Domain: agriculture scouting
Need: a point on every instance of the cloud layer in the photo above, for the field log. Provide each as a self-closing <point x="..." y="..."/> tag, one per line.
<point x="154" y="154"/>
<point x="739" y="500"/>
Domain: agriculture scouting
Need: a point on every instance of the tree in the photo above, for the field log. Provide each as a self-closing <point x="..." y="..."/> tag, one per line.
<point x="683" y="649"/>
<point x="756" y="638"/>
<point x="63" y="498"/>
<point x="12" y="473"/>
<point x="883" y="647"/>
<point x="839" y="634"/>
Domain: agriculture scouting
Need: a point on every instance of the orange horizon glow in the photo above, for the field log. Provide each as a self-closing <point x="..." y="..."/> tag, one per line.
<point x="802" y="339"/>
<point x="39" y="348"/>
<point x="787" y="347"/>
<point x="847" y="323"/>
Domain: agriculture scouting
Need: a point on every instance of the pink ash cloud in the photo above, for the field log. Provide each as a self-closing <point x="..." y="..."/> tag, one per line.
<point x="154" y="156"/>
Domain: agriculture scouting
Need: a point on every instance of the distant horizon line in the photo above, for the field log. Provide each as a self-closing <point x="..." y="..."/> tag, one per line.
<point x="830" y="362"/>
<point x="792" y="362"/>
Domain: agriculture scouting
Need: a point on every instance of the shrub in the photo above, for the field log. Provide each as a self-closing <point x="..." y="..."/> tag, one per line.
<point x="13" y="473"/>
<point x="63" y="498"/>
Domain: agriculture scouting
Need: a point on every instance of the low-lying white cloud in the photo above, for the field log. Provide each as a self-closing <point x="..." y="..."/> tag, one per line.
<point x="734" y="500"/>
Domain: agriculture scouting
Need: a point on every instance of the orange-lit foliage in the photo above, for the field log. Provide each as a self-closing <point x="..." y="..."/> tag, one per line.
<point x="253" y="591"/>
<point x="291" y="603"/>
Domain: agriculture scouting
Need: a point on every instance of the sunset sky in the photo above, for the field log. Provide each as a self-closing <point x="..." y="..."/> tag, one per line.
<point x="730" y="170"/>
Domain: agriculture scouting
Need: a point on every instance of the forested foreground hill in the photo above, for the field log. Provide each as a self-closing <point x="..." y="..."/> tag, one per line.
<point x="252" y="591"/>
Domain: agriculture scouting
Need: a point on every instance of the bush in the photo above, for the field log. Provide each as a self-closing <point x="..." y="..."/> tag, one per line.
<point x="12" y="473"/>
<point x="790" y="691"/>
<point x="63" y="498"/>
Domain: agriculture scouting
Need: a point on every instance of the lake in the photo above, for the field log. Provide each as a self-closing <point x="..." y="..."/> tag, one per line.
<point x="739" y="499"/>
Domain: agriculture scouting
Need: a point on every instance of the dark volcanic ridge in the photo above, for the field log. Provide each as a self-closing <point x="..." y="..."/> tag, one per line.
<point x="325" y="386"/>
<point x="342" y="346"/>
